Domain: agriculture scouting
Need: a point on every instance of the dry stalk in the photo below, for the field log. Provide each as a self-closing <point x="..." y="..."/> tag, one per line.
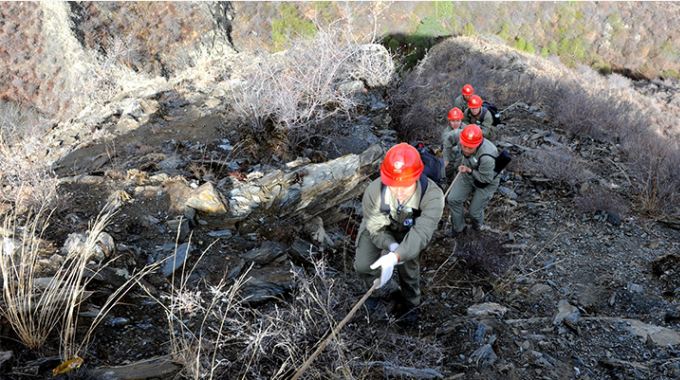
<point x="516" y="277"/>
<point x="31" y="311"/>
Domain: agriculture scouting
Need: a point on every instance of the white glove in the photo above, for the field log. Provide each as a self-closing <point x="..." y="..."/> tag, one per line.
<point x="393" y="247"/>
<point x="387" y="264"/>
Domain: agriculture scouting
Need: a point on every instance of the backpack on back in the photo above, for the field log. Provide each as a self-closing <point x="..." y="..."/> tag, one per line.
<point x="493" y="110"/>
<point x="501" y="161"/>
<point x="434" y="166"/>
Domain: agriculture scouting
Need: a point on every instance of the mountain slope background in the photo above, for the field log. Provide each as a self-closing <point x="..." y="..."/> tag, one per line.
<point x="153" y="104"/>
<point x="636" y="39"/>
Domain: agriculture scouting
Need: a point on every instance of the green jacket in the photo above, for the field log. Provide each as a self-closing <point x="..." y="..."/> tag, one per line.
<point x="450" y="147"/>
<point x="460" y="103"/>
<point x="482" y="167"/>
<point x="384" y="230"/>
<point x="488" y="130"/>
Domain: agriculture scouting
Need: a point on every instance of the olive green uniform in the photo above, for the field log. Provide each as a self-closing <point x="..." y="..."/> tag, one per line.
<point x="451" y="151"/>
<point x="482" y="173"/>
<point x="378" y="231"/>
<point x="488" y="129"/>
<point x="460" y="103"/>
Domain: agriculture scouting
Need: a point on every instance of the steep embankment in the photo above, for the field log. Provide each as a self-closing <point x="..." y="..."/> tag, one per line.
<point x="64" y="56"/>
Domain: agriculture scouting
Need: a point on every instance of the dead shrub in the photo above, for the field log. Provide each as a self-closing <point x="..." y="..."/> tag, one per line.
<point x="598" y="199"/>
<point x="654" y="162"/>
<point x="26" y="180"/>
<point x="482" y="256"/>
<point x="558" y="164"/>
<point x="295" y="93"/>
<point x="217" y="336"/>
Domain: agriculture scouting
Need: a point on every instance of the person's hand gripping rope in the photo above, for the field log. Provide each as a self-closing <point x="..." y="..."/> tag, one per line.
<point x="386" y="263"/>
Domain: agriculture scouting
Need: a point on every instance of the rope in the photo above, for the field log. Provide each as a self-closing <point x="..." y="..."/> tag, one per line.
<point x="451" y="185"/>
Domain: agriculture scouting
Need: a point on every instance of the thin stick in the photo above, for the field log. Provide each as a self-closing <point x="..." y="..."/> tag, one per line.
<point x="451" y="185"/>
<point x="334" y="331"/>
<point x="508" y="107"/>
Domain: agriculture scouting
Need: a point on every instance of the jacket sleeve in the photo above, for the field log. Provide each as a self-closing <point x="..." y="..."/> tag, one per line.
<point x="432" y="207"/>
<point x="376" y="223"/>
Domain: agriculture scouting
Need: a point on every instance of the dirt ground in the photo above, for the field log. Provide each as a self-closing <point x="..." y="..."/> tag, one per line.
<point x="535" y="250"/>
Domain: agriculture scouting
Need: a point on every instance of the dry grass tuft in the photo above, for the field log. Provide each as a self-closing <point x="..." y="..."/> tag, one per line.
<point x="33" y="310"/>
<point x="35" y="307"/>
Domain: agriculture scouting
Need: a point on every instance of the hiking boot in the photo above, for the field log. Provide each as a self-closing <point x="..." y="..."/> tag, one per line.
<point x="455" y="234"/>
<point x="372" y="303"/>
<point x="411" y="317"/>
<point x="376" y="310"/>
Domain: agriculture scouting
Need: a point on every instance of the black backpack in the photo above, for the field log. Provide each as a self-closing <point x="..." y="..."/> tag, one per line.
<point x="501" y="161"/>
<point x="434" y="169"/>
<point x="434" y="166"/>
<point x="495" y="114"/>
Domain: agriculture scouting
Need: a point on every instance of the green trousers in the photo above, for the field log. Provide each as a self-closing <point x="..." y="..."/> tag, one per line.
<point x="408" y="272"/>
<point x="451" y="172"/>
<point x="460" y="192"/>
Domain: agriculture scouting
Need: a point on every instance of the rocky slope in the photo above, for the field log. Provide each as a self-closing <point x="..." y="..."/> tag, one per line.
<point x="552" y="288"/>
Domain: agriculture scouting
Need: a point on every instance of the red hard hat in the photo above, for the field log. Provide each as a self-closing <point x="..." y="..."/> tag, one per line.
<point x="455" y="114"/>
<point x="471" y="136"/>
<point x="402" y="166"/>
<point x="475" y="102"/>
<point x="468" y="90"/>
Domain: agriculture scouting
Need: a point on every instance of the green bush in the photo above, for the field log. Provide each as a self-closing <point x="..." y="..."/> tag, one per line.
<point x="544" y="52"/>
<point x="393" y="45"/>
<point x="530" y="48"/>
<point x="469" y="29"/>
<point x="444" y="9"/>
<point x="602" y="67"/>
<point x="290" y="24"/>
<point x="324" y="10"/>
<point x="520" y="44"/>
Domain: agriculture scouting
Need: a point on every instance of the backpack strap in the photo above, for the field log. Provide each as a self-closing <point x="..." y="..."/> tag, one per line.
<point x="484" y="110"/>
<point x="494" y="158"/>
<point x="423" y="185"/>
<point x="385" y="208"/>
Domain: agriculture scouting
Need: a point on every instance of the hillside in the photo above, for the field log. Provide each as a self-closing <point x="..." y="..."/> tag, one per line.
<point x="231" y="195"/>
<point x="79" y="49"/>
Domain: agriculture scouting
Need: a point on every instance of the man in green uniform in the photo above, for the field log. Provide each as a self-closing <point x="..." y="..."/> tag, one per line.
<point x="450" y="141"/>
<point x="477" y="114"/>
<point x="401" y="212"/>
<point x="462" y="100"/>
<point x="477" y="176"/>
